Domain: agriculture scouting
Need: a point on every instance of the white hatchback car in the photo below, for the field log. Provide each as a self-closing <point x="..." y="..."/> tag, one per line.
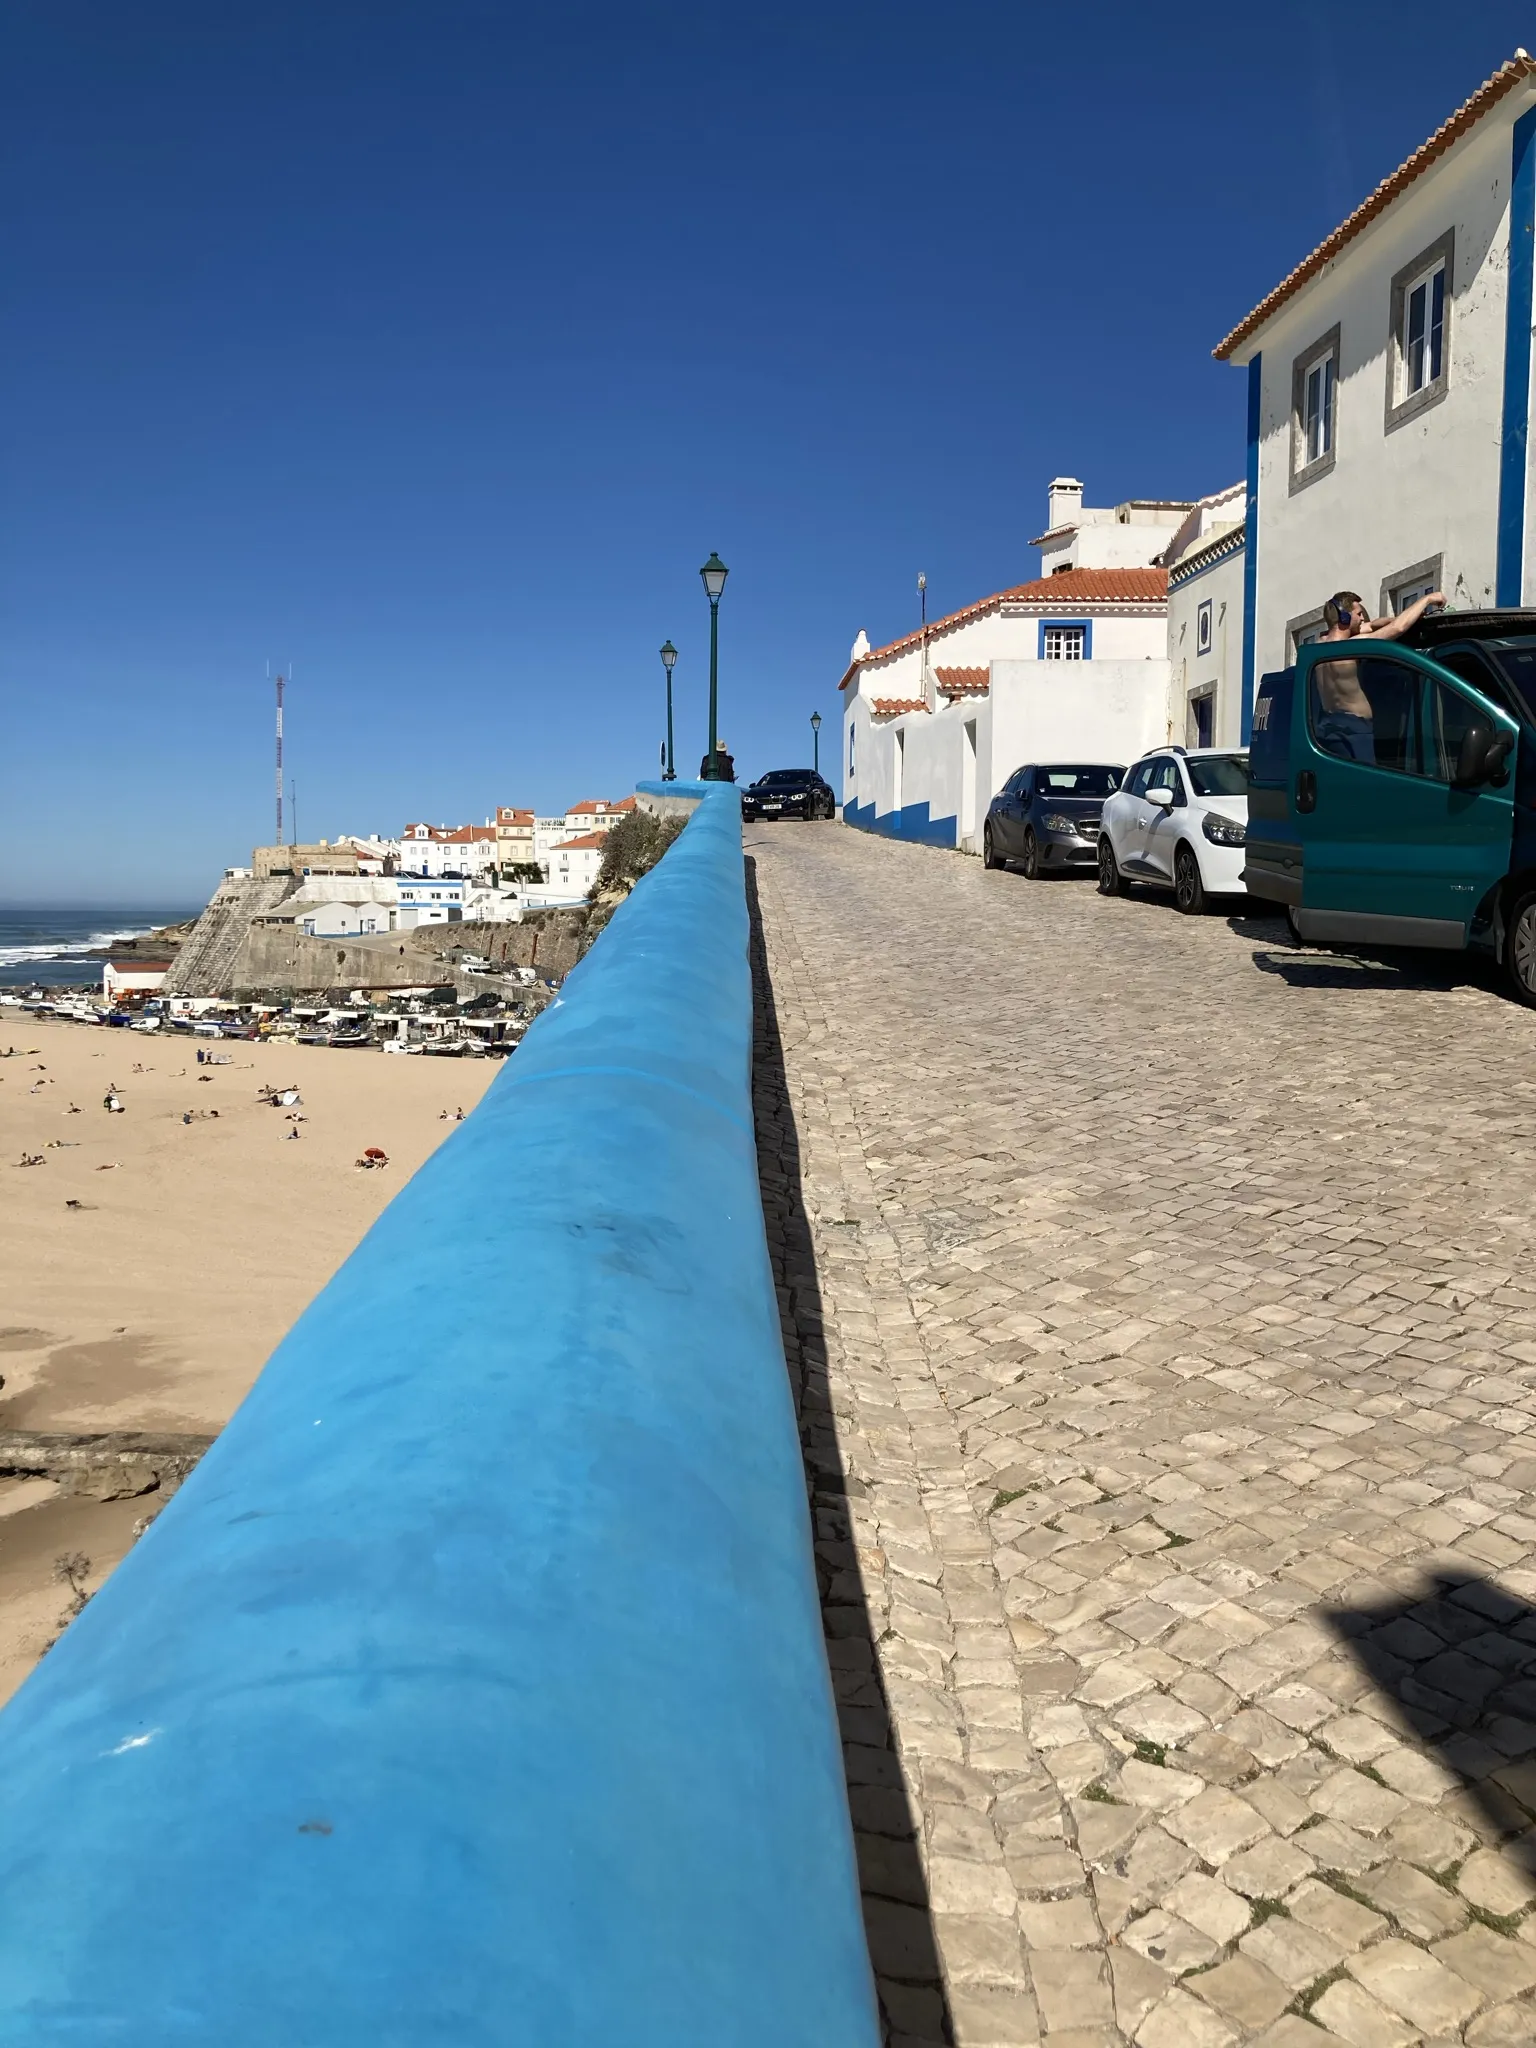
<point x="1179" y="821"/>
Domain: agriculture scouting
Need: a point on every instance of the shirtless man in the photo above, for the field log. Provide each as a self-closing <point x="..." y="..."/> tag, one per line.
<point x="1345" y="720"/>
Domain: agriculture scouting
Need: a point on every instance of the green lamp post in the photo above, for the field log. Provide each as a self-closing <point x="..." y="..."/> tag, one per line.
<point x="815" y="742"/>
<point x="714" y="573"/>
<point x="668" y="658"/>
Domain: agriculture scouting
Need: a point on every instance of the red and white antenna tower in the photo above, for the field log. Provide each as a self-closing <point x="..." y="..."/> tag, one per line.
<point x="279" y="760"/>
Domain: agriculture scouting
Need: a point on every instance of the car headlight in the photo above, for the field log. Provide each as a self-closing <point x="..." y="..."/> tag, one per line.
<point x="1223" y="831"/>
<point x="1053" y="821"/>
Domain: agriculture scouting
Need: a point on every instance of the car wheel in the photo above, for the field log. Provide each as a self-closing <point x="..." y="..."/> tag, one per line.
<point x="1520" y="949"/>
<point x="1031" y="854"/>
<point x="989" y="858"/>
<point x="1188" y="889"/>
<point x="1111" y="881"/>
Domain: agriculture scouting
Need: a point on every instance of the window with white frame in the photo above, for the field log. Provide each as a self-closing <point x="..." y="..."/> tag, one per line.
<point x="1314" y="410"/>
<point x="1424" y="331"/>
<point x="1063" y="643"/>
<point x="1419" y="349"/>
<point x="1317" y="411"/>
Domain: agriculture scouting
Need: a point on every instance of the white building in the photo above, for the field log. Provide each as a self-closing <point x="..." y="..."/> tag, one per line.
<point x="1389" y="390"/>
<point x="428" y="900"/>
<point x="130" y="977"/>
<point x="375" y="856"/>
<point x="574" y="863"/>
<point x="1070" y="666"/>
<point x="1204" y="561"/>
<point x="596" y="814"/>
<point x="467" y="850"/>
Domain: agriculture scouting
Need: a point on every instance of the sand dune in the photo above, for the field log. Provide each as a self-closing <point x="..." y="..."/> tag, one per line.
<point x="153" y="1304"/>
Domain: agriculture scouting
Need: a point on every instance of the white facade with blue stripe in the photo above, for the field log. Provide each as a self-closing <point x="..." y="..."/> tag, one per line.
<point x="1389" y="391"/>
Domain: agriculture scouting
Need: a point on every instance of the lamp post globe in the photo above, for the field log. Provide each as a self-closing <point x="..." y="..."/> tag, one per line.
<point x="815" y="742"/>
<point x="713" y="575"/>
<point x="668" y="659"/>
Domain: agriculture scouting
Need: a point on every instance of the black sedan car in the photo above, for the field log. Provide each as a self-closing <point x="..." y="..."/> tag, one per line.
<point x="1048" y="818"/>
<point x="789" y="793"/>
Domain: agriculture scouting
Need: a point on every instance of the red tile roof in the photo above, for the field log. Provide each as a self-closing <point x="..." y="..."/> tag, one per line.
<point x="1519" y="68"/>
<point x="963" y="682"/>
<point x="892" y="707"/>
<point x="592" y="804"/>
<point x="506" y="815"/>
<point x="1074" y="587"/>
<point x="587" y="839"/>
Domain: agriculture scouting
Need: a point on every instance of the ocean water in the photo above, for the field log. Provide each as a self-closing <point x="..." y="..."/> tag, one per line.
<point x="46" y="942"/>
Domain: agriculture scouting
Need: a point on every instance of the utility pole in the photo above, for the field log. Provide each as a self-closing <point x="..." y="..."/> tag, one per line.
<point x="279" y="760"/>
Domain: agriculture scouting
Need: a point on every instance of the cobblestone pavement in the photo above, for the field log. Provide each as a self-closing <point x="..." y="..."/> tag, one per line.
<point x="1165" y="1303"/>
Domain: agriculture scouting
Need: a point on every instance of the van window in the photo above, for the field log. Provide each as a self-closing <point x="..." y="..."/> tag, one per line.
<point x="1474" y="667"/>
<point x="1365" y="708"/>
<point x="1269" y="747"/>
<point x="1451" y="717"/>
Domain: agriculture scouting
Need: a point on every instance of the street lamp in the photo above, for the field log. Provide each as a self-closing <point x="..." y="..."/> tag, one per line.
<point x="668" y="657"/>
<point x="816" y="742"/>
<point x="714" y="573"/>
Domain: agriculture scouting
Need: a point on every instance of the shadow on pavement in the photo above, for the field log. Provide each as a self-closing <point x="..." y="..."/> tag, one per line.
<point x="903" y="1949"/>
<point x="1460" y="1662"/>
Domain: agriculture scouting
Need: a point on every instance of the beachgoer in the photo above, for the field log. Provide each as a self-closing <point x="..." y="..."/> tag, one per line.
<point x="1346" y="719"/>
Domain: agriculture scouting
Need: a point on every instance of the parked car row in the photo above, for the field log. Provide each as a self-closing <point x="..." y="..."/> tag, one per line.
<point x="1176" y="819"/>
<point x="1388" y="798"/>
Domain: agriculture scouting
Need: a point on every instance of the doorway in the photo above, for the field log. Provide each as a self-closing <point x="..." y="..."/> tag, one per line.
<point x="897" y="775"/>
<point x="1202" y="720"/>
<point x="966" y="830"/>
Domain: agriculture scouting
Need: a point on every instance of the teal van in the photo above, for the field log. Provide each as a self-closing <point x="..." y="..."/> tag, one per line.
<point x="1393" y="790"/>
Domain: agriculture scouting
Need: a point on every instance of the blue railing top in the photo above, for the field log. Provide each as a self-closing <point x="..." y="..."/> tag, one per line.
<point x="472" y="1690"/>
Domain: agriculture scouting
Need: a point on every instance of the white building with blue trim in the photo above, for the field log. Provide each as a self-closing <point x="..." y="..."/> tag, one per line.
<point x="1205" y="564"/>
<point x="1072" y="665"/>
<point x="1389" y="391"/>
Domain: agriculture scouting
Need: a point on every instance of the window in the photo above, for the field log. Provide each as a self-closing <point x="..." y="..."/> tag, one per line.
<point x="1314" y="410"/>
<point x="1407" y="585"/>
<point x="1452" y="718"/>
<point x="1425" y="337"/>
<point x="1218" y="775"/>
<point x="1203" y="628"/>
<point x="850" y="753"/>
<point x="1418" y="356"/>
<point x="1367" y="711"/>
<point x="1063" y="643"/>
<point x="1202" y="720"/>
<point x="1317" y="412"/>
<point x="1139" y="781"/>
<point x="1093" y="781"/>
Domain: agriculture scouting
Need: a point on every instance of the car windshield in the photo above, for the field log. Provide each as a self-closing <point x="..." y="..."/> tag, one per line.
<point x="1218" y="774"/>
<point x="1077" y="781"/>
<point x="782" y="776"/>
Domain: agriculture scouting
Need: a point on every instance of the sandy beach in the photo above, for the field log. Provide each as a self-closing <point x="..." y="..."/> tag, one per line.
<point x="151" y="1265"/>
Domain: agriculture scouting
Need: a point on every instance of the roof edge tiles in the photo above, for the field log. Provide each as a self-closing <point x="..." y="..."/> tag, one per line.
<point x="963" y="682"/>
<point x="1519" y="68"/>
<point x="893" y="707"/>
<point x="1078" y="587"/>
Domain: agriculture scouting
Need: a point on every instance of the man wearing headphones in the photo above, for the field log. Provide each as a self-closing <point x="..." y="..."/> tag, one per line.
<point x="1345" y="720"/>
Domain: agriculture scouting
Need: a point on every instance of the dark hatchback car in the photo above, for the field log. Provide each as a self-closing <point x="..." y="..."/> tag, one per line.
<point x="1047" y="818"/>
<point x="789" y="793"/>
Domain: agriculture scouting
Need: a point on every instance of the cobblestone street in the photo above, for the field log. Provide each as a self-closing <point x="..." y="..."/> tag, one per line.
<point x="1163" y="1301"/>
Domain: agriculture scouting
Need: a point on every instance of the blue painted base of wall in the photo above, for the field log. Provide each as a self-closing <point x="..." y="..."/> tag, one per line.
<point x="910" y="822"/>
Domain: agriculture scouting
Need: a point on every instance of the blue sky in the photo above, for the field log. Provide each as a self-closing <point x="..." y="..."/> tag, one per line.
<point x="432" y="347"/>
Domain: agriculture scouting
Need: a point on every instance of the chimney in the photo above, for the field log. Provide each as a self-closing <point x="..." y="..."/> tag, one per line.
<point x="1066" y="502"/>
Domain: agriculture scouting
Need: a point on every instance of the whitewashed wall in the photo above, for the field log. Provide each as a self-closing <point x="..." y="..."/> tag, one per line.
<point x="1430" y="487"/>
<point x="1190" y="673"/>
<point x="1111" y="711"/>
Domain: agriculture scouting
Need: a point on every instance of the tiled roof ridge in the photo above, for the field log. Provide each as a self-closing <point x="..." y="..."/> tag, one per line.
<point x="1519" y="68"/>
<point x="893" y="707"/>
<point x="1087" y="586"/>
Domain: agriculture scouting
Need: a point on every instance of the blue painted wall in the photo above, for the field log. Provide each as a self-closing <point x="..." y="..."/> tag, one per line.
<point x="1251" y="542"/>
<point x="910" y="822"/>
<point x="1509" y="573"/>
<point x="472" y="1690"/>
